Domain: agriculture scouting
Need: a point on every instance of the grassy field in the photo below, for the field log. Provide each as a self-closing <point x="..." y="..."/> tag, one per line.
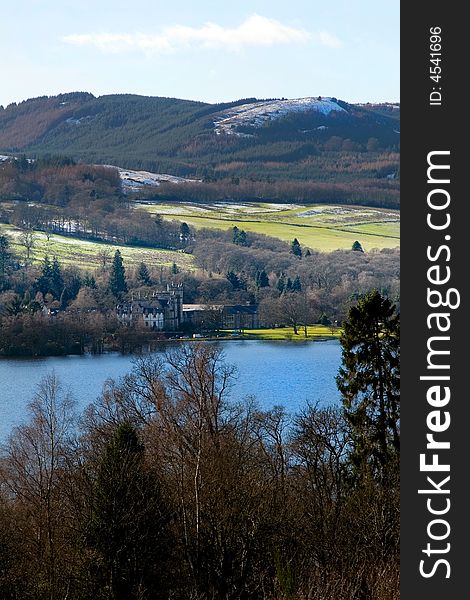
<point x="287" y="333"/>
<point x="86" y="254"/>
<point x="321" y="227"/>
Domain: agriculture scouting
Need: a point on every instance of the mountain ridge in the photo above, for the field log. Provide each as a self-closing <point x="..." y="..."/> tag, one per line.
<point x="320" y="138"/>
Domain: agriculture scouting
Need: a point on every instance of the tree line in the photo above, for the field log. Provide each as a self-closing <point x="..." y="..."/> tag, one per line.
<point x="117" y="225"/>
<point x="331" y="177"/>
<point x="370" y="189"/>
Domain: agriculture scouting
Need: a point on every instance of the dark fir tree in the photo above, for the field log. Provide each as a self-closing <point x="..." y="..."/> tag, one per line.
<point x="5" y="259"/>
<point x="261" y="279"/>
<point x="234" y="280"/>
<point x="235" y="232"/>
<point x="174" y="269"/>
<point x="57" y="281"/>
<point x="295" y="247"/>
<point x="242" y="238"/>
<point x="44" y="281"/>
<point x="296" y="284"/>
<point x="128" y="523"/>
<point x="308" y="253"/>
<point x="22" y="163"/>
<point x="117" y="279"/>
<point x="357" y="247"/>
<point x="89" y="281"/>
<point x="143" y="275"/>
<point x="184" y="232"/>
<point x="369" y="381"/>
<point x="239" y="236"/>
<point x="281" y="283"/>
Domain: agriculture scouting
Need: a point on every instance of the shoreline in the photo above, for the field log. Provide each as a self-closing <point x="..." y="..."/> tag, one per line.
<point x="240" y="338"/>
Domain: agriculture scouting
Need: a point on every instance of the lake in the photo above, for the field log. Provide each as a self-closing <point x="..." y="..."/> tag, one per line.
<point x="286" y="373"/>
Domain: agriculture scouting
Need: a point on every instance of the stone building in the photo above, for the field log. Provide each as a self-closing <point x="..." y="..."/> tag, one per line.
<point x="156" y="310"/>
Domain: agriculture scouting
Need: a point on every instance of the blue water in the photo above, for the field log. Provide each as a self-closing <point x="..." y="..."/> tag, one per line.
<point x="276" y="373"/>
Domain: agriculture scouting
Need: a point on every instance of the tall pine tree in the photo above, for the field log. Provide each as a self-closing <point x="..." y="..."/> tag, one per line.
<point x="128" y="526"/>
<point x="57" y="281"/>
<point x="295" y="247"/>
<point x="143" y="274"/>
<point x="369" y="381"/>
<point x="117" y="279"/>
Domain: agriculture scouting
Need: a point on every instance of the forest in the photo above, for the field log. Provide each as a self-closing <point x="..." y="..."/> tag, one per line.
<point x="166" y="489"/>
<point x="358" y="149"/>
<point x="61" y="182"/>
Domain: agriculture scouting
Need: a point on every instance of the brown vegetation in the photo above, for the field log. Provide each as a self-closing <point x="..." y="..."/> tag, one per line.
<point x="170" y="490"/>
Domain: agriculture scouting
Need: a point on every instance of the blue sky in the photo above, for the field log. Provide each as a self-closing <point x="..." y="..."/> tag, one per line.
<point x="201" y="49"/>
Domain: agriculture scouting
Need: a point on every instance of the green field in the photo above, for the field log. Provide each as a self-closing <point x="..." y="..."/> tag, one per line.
<point x="287" y="333"/>
<point x="86" y="254"/>
<point x="320" y="227"/>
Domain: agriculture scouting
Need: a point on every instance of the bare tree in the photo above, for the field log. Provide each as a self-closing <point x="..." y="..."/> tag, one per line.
<point x="28" y="240"/>
<point x="31" y="468"/>
<point x="104" y="256"/>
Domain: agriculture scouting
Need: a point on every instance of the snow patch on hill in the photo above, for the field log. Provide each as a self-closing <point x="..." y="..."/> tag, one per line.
<point x="135" y="180"/>
<point x="257" y="113"/>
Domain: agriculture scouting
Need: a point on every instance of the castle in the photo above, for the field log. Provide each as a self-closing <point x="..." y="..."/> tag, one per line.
<point x="156" y="310"/>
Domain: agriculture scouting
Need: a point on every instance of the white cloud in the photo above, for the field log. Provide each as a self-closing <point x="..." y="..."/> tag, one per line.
<point x="327" y="39"/>
<point x="254" y="31"/>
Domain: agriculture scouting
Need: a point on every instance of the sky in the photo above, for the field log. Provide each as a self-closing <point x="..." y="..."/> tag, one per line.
<point x="206" y="50"/>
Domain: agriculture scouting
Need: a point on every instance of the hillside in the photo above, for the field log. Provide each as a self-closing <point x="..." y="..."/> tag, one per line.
<point x="275" y="139"/>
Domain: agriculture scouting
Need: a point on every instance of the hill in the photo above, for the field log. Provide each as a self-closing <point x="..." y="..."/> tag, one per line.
<point x="276" y="139"/>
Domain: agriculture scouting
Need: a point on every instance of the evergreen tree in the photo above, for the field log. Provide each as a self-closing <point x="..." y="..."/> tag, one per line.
<point x="261" y="280"/>
<point x="174" y="269"/>
<point x="296" y="285"/>
<point x="44" y="282"/>
<point x="235" y="232"/>
<point x="239" y="236"/>
<point x="295" y="247"/>
<point x="242" y="238"/>
<point x="369" y="382"/>
<point x="22" y="163"/>
<point x="281" y="283"/>
<point x="5" y="258"/>
<point x="56" y="280"/>
<point x="143" y="275"/>
<point x="117" y="279"/>
<point x="128" y="527"/>
<point x="234" y="280"/>
<point x="89" y="281"/>
<point x="308" y="253"/>
<point x="357" y="247"/>
<point x="184" y="231"/>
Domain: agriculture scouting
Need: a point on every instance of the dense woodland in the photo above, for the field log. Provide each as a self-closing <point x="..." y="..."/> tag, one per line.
<point x="351" y="157"/>
<point x="81" y="189"/>
<point x="166" y="488"/>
